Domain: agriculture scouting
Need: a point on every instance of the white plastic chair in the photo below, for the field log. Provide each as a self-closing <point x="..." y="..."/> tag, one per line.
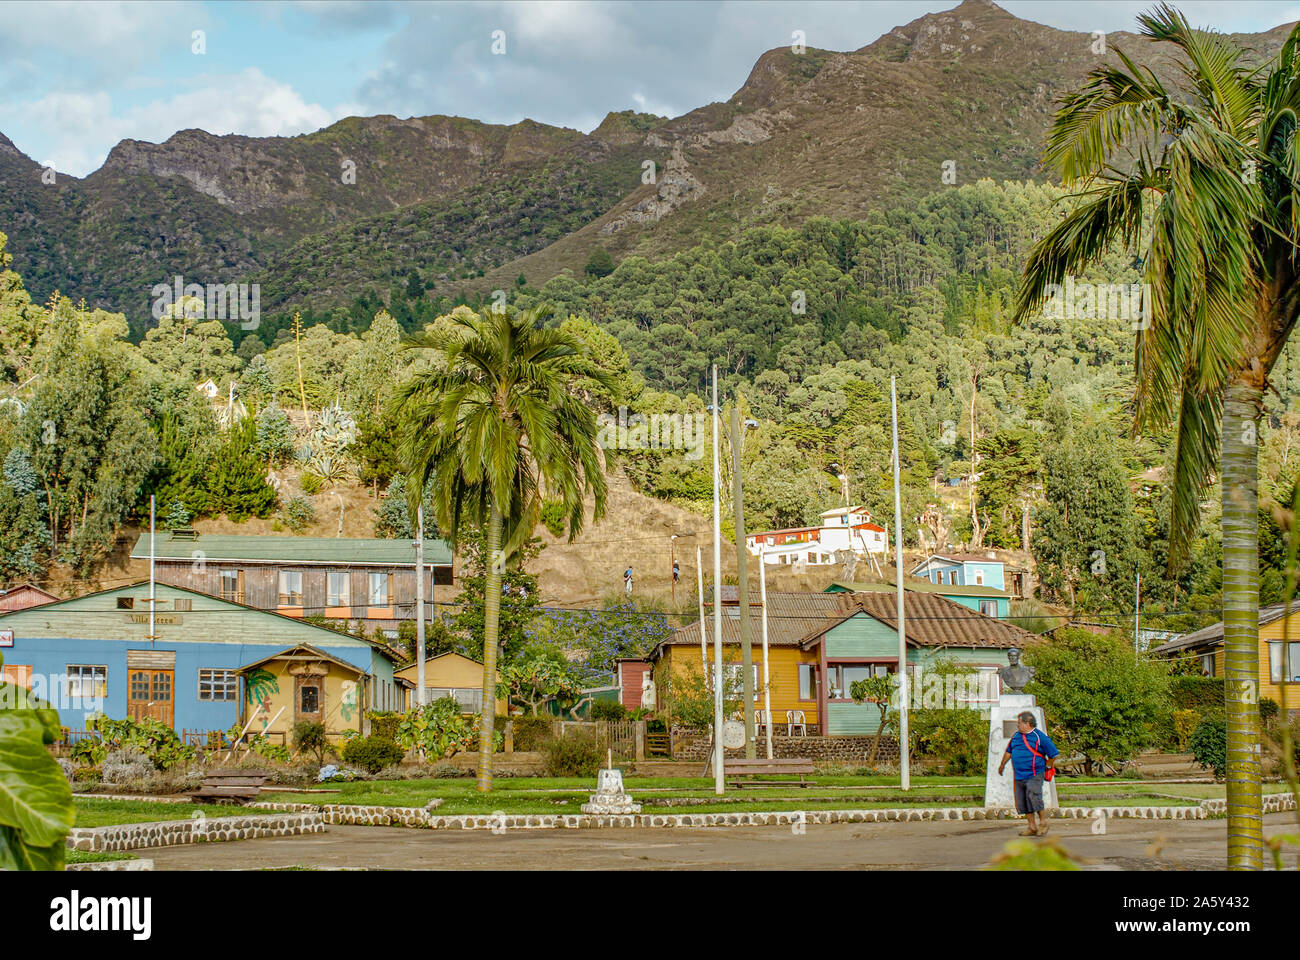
<point x="793" y="719"/>
<point x="761" y="720"/>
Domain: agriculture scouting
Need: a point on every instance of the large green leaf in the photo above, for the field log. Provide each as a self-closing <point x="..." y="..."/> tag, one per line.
<point x="35" y="797"/>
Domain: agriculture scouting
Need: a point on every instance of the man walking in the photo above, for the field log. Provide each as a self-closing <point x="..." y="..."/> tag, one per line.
<point x="1032" y="755"/>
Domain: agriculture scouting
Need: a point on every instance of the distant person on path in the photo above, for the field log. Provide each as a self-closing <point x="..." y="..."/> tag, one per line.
<point x="627" y="581"/>
<point x="676" y="571"/>
<point x="1032" y="754"/>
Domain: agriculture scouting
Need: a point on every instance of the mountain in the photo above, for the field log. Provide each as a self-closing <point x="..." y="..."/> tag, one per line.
<point x="464" y="207"/>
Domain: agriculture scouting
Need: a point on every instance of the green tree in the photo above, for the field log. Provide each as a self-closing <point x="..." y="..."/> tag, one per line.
<point x="236" y="481"/>
<point x="599" y="264"/>
<point x="1205" y="175"/>
<point x="539" y="675"/>
<point x="497" y="430"/>
<point x="1104" y="702"/>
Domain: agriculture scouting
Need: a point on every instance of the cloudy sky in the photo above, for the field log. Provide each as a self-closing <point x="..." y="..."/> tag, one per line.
<point x="75" y="78"/>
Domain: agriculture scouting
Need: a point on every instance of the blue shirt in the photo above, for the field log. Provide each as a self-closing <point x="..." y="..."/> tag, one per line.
<point x="1023" y="762"/>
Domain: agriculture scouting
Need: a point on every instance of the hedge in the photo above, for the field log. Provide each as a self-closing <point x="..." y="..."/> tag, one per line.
<point x="1202" y="694"/>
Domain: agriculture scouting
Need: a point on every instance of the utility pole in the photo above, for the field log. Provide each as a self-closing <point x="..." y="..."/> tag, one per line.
<point x="420" y="692"/>
<point x="719" y="783"/>
<point x="767" y="680"/>
<point x="903" y="771"/>
<point x="704" y="650"/>
<point x="742" y="576"/>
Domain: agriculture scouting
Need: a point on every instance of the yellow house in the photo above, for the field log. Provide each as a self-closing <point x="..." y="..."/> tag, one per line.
<point x="1205" y="647"/>
<point x="303" y="684"/>
<point x="453" y="675"/>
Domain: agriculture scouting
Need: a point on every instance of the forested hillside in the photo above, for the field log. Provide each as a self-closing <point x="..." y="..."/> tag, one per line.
<point x="807" y="326"/>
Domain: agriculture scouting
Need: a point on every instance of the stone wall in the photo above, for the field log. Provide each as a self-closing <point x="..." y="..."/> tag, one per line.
<point x="163" y="833"/>
<point x="693" y="746"/>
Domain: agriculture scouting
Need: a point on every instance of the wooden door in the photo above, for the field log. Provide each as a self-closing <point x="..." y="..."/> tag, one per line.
<point x="309" y="699"/>
<point x="149" y="694"/>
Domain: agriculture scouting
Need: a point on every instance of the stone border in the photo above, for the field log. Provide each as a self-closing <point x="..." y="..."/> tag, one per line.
<point x="162" y="833"/>
<point x="374" y="816"/>
<point x="1273" y="803"/>
<point x="136" y="864"/>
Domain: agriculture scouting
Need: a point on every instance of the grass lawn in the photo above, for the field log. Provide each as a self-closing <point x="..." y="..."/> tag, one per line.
<point x="85" y="856"/>
<point x="103" y="813"/>
<point x="565" y="795"/>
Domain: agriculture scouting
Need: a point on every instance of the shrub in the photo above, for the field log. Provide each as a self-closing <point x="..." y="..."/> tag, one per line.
<point x="309" y="737"/>
<point x="125" y="765"/>
<point x="438" y="729"/>
<point x="384" y="724"/>
<point x="1268" y="710"/>
<point x="1209" y="745"/>
<point x="156" y="741"/>
<point x="448" y="771"/>
<point x="576" y="755"/>
<point x="372" y="753"/>
<point x="298" y="514"/>
<point x="310" y="483"/>
<point x="608" y="710"/>
<point x="1202" y="694"/>
<point x="531" y="732"/>
<point x="1185" y="723"/>
<point x="957" y="739"/>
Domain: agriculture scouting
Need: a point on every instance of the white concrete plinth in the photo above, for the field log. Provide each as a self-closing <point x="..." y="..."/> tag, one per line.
<point x="1000" y="791"/>
<point x="609" y="797"/>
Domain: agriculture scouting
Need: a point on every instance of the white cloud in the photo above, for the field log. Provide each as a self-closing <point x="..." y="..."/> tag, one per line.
<point x="250" y="103"/>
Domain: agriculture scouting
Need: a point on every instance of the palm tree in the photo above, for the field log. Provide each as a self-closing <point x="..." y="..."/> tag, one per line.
<point x="495" y="426"/>
<point x="1200" y="177"/>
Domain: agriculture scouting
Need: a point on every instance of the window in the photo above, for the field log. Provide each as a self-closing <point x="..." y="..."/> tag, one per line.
<point x="979" y="578"/>
<point x="84" y="681"/>
<point x="732" y="680"/>
<point x="377" y="589"/>
<point x="291" y="588"/>
<point x="126" y="603"/>
<point x="1207" y="663"/>
<point x="1275" y="670"/>
<point x="841" y="676"/>
<point x="309" y="700"/>
<point x="989" y="608"/>
<point x="230" y="585"/>
<point x="469" y="699"/>
<point x="807" y="681"/>
<point x="338" y="592"/>
<point x="217" y="685"/>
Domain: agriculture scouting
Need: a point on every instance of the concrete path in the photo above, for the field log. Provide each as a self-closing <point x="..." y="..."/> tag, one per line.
<point x="1126" y="845"/>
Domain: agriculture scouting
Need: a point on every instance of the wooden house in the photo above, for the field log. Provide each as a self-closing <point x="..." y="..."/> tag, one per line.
<point x="367" y="580"/>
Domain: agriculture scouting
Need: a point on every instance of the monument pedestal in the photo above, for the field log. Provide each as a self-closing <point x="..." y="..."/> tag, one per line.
<point x="609" y="797"/>
<point x="1000" y="791"/>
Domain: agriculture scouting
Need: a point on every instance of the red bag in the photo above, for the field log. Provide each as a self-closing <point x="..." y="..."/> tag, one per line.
<point x="1049" y="772"/>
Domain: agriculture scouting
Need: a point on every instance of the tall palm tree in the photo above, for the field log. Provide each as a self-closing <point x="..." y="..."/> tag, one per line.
<point x="1201" y="177"/>
<point x="495" y="426"/>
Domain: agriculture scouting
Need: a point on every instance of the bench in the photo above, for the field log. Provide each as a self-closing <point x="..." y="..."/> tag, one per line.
<point x="230" y="786"/>
<point x="800" y="766"/>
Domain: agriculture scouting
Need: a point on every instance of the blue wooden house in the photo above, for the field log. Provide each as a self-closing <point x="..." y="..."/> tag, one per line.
<point x="963" y="569"/>
<point x="95" y="653"/>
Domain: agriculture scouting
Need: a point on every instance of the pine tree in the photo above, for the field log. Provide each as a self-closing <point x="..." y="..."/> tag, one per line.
<point x="236" y="479"/>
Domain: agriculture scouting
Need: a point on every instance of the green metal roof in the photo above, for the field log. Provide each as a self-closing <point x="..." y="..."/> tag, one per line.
<point x="919" y="586"/>
<point x="342" y="551"/>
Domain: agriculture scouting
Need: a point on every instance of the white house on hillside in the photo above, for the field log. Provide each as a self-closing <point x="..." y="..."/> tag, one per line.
<point x="846" y="528"/>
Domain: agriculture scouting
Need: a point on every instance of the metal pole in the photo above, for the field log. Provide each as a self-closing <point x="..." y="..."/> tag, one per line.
<point x="152" y="553"/>
<point x="1137" y="601"/>
<point x="742" y="579"/>
<point x="704" y="652"/>
<point x="767" y="681"/>
<point x="903" y="771"/>
<point x="420" y="691"/>
<point x="719" y="785"/>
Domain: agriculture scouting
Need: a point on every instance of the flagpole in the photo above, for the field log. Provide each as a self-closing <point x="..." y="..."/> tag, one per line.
<point x="719" y="786"/>
<point x="420" y="692"/>
<point x="767" y="682"/>
<point x="903" y="771"/>
<point x="699" y="571"/>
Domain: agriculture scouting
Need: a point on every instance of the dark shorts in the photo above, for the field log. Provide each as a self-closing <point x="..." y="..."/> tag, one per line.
<point x="1029" y="795"/>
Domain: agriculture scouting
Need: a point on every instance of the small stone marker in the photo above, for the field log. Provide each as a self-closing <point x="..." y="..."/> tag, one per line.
<point x="609" y="797"/>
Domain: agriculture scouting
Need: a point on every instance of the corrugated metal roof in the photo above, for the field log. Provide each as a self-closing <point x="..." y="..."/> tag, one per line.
<point x="336" y="550"/>
<point x="1213" y="634"/>
<point x="924" y="586"/>
<point x="931" y="621"/>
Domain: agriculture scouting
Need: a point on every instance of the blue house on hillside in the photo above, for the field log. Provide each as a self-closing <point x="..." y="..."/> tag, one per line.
<point x="963" y="569"/>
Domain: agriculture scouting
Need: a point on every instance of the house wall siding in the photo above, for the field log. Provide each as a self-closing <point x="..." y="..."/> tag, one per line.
<point x="862" y="636"/>
<point x="783" y="670"/>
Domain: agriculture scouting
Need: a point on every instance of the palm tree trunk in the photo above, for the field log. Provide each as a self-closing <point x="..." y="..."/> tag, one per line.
<point x="1241" y="622"/>
<point x="491" y="632"/>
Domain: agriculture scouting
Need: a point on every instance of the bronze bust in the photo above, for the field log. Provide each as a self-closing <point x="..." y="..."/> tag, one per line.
<point x="1014" y="676"/>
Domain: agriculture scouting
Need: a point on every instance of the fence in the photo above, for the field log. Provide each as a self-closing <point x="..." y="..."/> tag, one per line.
<point x="625" y="739"/>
